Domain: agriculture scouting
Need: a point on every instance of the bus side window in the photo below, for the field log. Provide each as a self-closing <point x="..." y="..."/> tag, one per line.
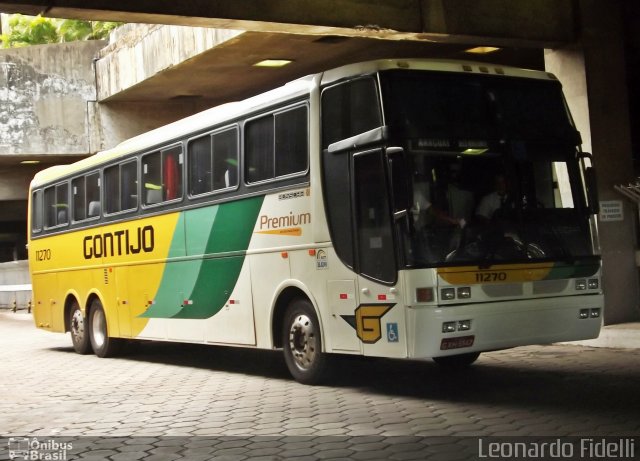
<point x="259" y="148"/>
<point x="36" y="212"/>
<point x="291" y="141"/>
<point x="199" y="151"/>
<point x="172" y="172"/>
<point x="56" y="201"/>
<point x="349" y="109"/>
<point x="112" y="189"/>
<point x="129" y="185"/>
<point x="373" y="219"/>
<point x="162" y="175"/>
<point x="152" y="178"/>
<point x="121" y="187"/>
<point x="78" y="208"/>
<point x="92" y="195"/>
<point x="225" y="159"/>
<point x="276" y="145"/>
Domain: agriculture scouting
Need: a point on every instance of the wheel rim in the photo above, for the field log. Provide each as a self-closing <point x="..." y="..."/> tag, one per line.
<point x="77" y="326"/>
<point x="98" y="328"/>
<point x="302" y="341"/>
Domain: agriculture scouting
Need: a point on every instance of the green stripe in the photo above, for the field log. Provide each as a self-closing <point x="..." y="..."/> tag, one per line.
<point x="585" y="268"/>
<point x="207" y="281"/>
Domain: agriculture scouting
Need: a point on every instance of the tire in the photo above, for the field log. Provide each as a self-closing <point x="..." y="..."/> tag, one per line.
<point x="79" y="329"/>
<point x="102" y="345"/>
<point x="457" y="361"/>
<point x="302" y="343"/>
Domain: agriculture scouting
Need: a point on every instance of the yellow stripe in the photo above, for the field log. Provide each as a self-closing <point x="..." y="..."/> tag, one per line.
<point x="499" y="273"/>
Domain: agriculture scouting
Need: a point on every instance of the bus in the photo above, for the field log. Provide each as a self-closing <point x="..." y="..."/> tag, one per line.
<point x="347" y="212"/>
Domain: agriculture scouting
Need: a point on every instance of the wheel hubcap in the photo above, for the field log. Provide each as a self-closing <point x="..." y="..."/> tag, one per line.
<point x="77" y="325"/>
<point x="302" y="341"/>
<point x="98" y="328"/>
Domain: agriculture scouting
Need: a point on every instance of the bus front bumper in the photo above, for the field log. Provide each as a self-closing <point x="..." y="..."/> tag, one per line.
<point x="460" y="329"/>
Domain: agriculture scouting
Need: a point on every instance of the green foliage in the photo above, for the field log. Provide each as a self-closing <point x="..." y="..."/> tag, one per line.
<point x="30" y="30"/>
<point x="71" y="30"/>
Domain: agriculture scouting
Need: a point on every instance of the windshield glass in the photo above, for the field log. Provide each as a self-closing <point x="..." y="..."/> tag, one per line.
<point x="491" y="169"/>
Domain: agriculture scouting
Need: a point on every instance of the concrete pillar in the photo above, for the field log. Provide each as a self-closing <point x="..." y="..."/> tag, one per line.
<point x="595" y="72"/>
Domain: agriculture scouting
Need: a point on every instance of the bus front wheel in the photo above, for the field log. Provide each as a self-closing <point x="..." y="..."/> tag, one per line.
<point x="302" y="343"/>
<point x="101" y="343"/>
<point x="79" y="330"/>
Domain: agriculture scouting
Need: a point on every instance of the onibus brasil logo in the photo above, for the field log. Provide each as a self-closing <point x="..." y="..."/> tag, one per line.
<point x="30" y="448"/>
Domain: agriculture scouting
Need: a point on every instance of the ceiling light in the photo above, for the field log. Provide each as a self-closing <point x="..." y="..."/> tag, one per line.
<point x="273" y="63"/>
<point x="482" y="49"/>
<point x="29" y="162"/>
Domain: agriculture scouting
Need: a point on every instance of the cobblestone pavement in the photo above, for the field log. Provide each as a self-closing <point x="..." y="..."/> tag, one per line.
<point x="150" y="403"/>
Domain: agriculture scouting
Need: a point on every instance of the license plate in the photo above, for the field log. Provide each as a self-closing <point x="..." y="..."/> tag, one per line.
<point x="456" y="343"/>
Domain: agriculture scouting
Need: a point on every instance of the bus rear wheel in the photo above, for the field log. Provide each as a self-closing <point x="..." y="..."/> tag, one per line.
<point x="79" y="330"/>
<point x="457" y="361"/>
<point x="302" y="343"/>
<point x="101" y="343"/>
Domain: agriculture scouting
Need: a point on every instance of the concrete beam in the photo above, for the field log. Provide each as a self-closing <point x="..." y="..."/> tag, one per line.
<point x="540" y="23"/>
<point x="138" y="52"/>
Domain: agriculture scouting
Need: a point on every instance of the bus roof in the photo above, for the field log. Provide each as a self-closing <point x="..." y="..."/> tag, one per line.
<point x="442" y="65"/>
<point x="176" y="130"/>
<point x="229" y="111"/>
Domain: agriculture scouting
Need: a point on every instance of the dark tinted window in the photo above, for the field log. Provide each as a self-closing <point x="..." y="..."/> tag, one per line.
<point x="85" y="196"/>
<point x="259" y="149"/>
<point x="277" y="145"/>
<point x="162" y="175"/>
<point x="78" y="199"/>
<point x="36" y="211"/>
<point x="92" y="184"/>
<point x="112" y="189"/>
<point x="373" y="221"/>
<point x="56" y="205"/>
<point x="441" y="111"/>
<point x="200" y="167"/>
<point x="213" y="162"/>
<point x="337" y="192"/>
<point x="349" y="109"/>
<point x="121" y="187"/>
<point x="291" y="141"/>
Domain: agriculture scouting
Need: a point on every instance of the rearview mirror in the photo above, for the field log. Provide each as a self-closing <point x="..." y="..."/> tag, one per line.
<point x="398" y="180"/>
<point x="591" y="183"/>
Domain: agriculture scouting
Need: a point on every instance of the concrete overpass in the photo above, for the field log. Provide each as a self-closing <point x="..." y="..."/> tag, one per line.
<point x="150" y="77"/>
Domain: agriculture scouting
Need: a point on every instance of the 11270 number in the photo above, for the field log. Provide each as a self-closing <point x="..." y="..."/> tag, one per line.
<point x="491" y="276"/>
<point x="43" y="255"/>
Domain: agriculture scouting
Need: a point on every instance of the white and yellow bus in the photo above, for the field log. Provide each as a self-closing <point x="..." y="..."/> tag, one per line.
<point x="348" y="212"/>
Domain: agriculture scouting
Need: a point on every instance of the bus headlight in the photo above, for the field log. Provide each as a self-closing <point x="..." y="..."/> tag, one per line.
<point x="464" y="292"/>
<point x="581" y="284"/>
<point x="448" y="327"/>
<point x="460" y="325"/>
<point x="593" y="284"/>
<point x="447" y="294"/>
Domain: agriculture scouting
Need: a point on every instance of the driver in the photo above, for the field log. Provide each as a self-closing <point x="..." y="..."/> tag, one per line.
<point x="495" y="200"/>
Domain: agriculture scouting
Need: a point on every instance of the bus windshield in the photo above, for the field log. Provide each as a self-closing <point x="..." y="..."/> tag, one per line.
<point x="492" y="170"/>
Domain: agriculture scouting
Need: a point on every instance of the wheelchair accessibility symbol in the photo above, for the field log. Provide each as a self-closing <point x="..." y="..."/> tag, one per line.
<point x="392" y="332"/>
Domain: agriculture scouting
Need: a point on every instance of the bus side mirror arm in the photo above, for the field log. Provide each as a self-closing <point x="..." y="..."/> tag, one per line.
<point x="398" y="182"/>
<point x="590" y="183"/>
<point x="592" y="189"/>
<point x="400" y="214"/>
